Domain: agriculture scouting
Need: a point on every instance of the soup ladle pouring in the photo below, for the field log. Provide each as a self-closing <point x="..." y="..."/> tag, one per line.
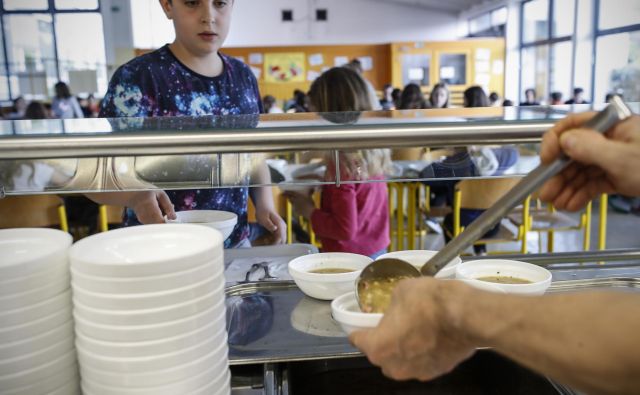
<point x="374" y="284"/>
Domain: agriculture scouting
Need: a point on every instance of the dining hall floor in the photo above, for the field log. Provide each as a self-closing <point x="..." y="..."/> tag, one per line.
<point x="623" y="231"/>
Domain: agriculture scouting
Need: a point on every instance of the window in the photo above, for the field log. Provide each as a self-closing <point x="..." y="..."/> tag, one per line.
<point x="25" y="5"/>
<point x="4" y="75"/>
<point x="618" y="66"/>
<point x="535" y="70"/>
<point x="618" y="13"/>
<point x="535" y="20"/>
<point x="152" y="28"/>
<point x="37" y="58"/>
<point x="416" y="69"/>
<point x="480" y="23"/>
<point x="547" y="55"/>
<point x="84" y="70"/>
<point x="76" y="4"/>
<point x="564" y="12"/>
<point x="499" y="16"/>
<point x="31" y="54"/>
<point x="561" y="69"/>
<point x="489" y="24"/>
<point x="453" y="69"/>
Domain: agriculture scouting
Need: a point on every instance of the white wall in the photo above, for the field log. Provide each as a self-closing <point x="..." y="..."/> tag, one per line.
<point x="258" y="23"/>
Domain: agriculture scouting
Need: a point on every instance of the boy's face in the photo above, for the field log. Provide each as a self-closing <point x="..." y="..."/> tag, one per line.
<point x="201" y="25"/>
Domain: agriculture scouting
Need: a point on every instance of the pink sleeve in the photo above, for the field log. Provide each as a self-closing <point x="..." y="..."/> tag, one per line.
<point x="342" y="222"/>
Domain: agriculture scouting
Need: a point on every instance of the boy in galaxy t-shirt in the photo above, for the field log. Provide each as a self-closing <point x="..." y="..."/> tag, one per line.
<point x="190" y="78"/>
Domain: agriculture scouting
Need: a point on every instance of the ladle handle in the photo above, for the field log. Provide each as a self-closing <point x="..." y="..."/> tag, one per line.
<point x="616" y="111"/>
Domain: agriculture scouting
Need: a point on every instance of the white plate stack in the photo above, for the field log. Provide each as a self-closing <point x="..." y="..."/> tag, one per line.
<point x="37" y="354"/>
<point x="149" y="311"/>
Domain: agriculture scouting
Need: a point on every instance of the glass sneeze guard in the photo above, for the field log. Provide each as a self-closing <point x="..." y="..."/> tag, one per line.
<point x="89" y="155"/>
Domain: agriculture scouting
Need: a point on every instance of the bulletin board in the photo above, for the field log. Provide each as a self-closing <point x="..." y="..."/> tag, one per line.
<point x="284" y="67"/>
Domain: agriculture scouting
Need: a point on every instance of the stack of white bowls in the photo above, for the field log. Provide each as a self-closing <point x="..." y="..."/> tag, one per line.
<point x="37" y="354"/>
<point x="149" y="311"/>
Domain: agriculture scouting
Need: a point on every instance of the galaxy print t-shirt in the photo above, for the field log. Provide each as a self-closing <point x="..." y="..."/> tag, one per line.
<point x="157" y="84"/>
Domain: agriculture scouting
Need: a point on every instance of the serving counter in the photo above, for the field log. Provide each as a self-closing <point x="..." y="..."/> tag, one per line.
<point x="283" y="342"/>
<point x="280" y="341"/>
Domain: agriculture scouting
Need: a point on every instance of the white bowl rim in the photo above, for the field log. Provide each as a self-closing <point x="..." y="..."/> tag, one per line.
<point x="126" y="344"/>
<point x="353" y="318"/>
<point x="80" y="249"/>
<point x="151" y="358"/>
<point x="145" y="295"/>
<point x="81" y="321"/>
<point x="164" y="388"/>
<point x="525" y="265"/>
<point x="326" y="277"/>
<point x="193" y="362"/>
<point x="137" y="279"/>
<point x="229" y="218"/>
<point x="57" y="242"/>
<point x="62" y="328"/>
<point x="155" y="310"/>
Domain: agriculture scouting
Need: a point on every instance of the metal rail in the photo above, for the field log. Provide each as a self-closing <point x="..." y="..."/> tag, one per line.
<point x="272" y="139"/>
<point x="567" y="258"/>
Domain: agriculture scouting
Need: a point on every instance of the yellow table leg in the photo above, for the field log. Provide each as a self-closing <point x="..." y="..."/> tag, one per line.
<point x="587" y="227"/>
<point x="602" y="229"/>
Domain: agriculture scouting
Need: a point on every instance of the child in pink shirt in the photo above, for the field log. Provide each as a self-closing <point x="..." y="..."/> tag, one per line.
<point x="353" y="217"/>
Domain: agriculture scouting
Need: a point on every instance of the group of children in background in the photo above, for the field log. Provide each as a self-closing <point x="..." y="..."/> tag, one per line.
<point x="63" y="106"/>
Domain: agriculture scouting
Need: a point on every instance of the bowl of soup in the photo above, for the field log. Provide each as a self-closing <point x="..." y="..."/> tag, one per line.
<point x="327" y="275"/>
<point x="514" y="277"/>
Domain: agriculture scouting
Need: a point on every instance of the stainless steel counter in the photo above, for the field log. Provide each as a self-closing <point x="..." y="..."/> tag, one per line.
<point x="273" y="321"/>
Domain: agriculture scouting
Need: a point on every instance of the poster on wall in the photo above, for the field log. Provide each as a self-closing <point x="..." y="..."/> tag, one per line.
<point x="255" y="58"/>
<point x="316" y="59"/>
<point x="284" y="67"/>
<point x="366" y="62"/>
<point x="340" y="61"/>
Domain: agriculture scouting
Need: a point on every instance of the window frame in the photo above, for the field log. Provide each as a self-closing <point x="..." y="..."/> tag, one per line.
<point x="51" y="10"/>
<point x="603" y="33"/>
<point x="550" y="42"/>
<point x="488" y="13"/>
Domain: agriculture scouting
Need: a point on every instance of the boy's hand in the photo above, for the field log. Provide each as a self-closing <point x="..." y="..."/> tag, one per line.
<point x="603" y="164"/>
<point x="271" y="221"/>
<point x="151" y="206"/>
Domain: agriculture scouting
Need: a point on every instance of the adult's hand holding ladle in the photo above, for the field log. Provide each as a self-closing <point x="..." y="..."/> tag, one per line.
<point x="376" y="281"/>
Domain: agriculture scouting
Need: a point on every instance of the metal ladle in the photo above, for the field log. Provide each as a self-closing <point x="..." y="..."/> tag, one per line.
<point x="389" y="268"/>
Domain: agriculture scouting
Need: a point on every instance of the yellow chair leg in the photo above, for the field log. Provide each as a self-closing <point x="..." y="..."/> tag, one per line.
<point x="551" y="233"/>
<point x="587" y="227"/>
<point x="457" y="202"/>
<point x="602" y="229"/>
<point x="62" y="215"/>
<point x="103" y="223"/>
<point x="289" y="214"/>
<point x="526" y="224"/>
<point x="411" y="216"/>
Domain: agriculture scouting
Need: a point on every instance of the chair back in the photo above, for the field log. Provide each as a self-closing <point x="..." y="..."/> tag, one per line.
<point x="30" y="211"/>
<point x="480" y="194"/>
